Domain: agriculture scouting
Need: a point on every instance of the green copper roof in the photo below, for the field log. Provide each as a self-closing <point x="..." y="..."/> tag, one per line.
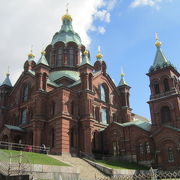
<point x="66" y="34"/>
<point x="7" y="81"/>
<point x="139" y="123"/>
<point x="43" y="60"/>
<point x="122" y="81"/>
<point x="74" y="75"/>
<point x="15" y="128"/>
<point x="53" y="83"/>
<point x="160" y="59"/>
<point x="85" y="60"/>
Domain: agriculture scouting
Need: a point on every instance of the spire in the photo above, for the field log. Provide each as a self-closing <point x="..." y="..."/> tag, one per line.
<point x="160" y="60"/>
<point x="99" y="56"/>
<point x="42" y="59"/>
<point x="7" y="81"/>
<point x="122" y="81"/>
<point x="85" y="59"/>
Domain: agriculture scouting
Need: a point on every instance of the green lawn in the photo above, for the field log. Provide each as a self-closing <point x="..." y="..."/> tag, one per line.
<point x="121" y="165"/>
<point x="34" y="158"/>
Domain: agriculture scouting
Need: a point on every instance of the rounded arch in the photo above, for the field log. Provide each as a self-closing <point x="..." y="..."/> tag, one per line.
<point x="165" y="81"/>
<point x="155" y="85"/>
<point x="104" y="92"/>
<point x="90" y="81"/>
<point x="52" y="108"/>
<point x="164" y="103"/>
<point x="165" y="113"/>
<point x="72" y="53"/>
<point x="44" y="80"/>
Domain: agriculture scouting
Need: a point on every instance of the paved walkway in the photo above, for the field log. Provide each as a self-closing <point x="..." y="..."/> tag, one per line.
<point x="87" y="171"/>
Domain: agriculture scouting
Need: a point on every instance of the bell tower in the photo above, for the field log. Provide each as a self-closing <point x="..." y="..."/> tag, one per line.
<point x="165" y="91"/>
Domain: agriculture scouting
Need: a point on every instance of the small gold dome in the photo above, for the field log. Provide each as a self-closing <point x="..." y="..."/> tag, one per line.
<point x="43" y="52"/>
<point x="122" y="74"/>
<point x="99" y="56"/>
<point x="86" y="52"/>
<point x="158" y="43"/>
<point x="67" y="16"/>
<point x="31" y="54"/>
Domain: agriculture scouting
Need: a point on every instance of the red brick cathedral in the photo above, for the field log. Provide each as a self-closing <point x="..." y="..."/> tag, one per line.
<point x="72" y="106"/>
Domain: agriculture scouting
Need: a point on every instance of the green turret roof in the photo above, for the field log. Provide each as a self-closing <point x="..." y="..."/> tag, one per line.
<point x="42" y="59"/>
<point x="85" y="59"/>
<point x="66" y="33"/>
<point x="7" y="81"/>
<point x="160" y="59"/>
<point x="122" y="81"/>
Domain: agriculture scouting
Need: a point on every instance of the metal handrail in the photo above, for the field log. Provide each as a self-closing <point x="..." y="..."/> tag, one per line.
<point x="22" y="147"/>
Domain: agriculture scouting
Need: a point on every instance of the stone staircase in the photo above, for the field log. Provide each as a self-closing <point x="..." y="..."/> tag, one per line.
<point x="87" y="172"/>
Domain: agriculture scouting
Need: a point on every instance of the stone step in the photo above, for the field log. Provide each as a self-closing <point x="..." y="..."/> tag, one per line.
<point x="86" y="170"/>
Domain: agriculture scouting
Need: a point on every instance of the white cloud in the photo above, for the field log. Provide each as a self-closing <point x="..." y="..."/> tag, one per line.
<point x="101" y="30"/>
<point x="34" y="22"/>
<point x="103" y="15"/>
<point x="151" y="3"/>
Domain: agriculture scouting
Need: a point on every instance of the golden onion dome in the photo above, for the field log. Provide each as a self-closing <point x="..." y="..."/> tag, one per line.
<point x="43" y="52"/>
<point x="99" y="56"/>
<point x="67" y="16"/>
<point x="31" y="54"/>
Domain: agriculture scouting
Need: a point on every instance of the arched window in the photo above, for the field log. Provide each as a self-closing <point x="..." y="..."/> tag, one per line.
<point x="44" y="81"/>
<point x="72" y="137"/>
<point x="114" y="117"/>
<point x="156" y="88"/>
<point x="148" y="149"/>
<point x="52" y="109"/>
<point x="165" y="114"/>
<point x="166" y="84"/>
<point x="103" y="93"/>
<point x="25" y="93"/>
<point x="72" y="108"/>
<point x="90" y="81"/>
<point x="59" y="57"/>
<point x="24" y="116"/>
<point x="104" y="116"/>
<point x="71" y="54"/>
<point x="141" y="149"/>
<point x="52" y="137"/>
<point x="170" y="155"/>
<point x="97" y="114"/>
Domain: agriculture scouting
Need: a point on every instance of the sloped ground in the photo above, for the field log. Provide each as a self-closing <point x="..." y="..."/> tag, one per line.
<point x="86" y="170"/>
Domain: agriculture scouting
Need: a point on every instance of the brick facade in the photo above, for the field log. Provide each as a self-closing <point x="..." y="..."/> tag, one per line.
<point x="72" y="106"/>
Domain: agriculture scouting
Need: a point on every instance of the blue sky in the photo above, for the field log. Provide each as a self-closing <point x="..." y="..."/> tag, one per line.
<point x="129" y="43"/>
<point x="123" y="28"/>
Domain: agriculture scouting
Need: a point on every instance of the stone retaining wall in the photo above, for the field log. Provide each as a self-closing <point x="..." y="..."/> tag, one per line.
<point x="114" y="172"/>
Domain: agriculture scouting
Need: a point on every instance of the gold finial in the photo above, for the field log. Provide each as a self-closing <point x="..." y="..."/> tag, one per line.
<point x="86" y="52"/>
<point x="122" y="73"/>
<point x="8" y="74"/>
<point x="31" y="55"/>
<point x="99" y="55"/>
<point x="157" y="43"/>
<point x="67" y="16"/>
<point x="43" y="52"/>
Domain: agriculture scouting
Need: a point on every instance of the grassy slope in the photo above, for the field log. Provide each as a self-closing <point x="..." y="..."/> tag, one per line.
<point x="121" y="165"/>
<point x="35" y="158"/>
